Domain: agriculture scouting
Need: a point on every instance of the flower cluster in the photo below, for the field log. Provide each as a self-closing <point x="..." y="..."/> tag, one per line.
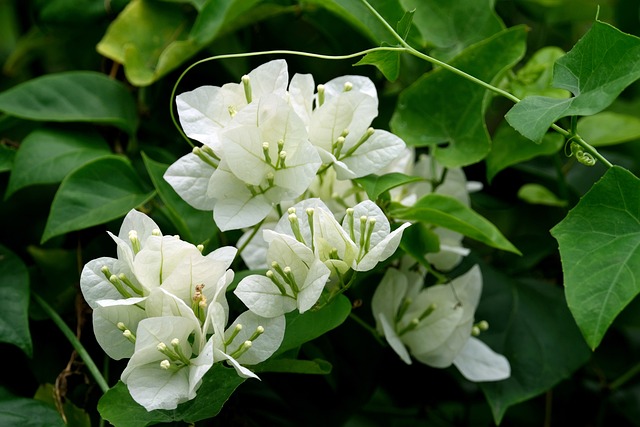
<point x="265" y="139"/>
<point x="279" y="160"/>
<point x="162" y="304"/>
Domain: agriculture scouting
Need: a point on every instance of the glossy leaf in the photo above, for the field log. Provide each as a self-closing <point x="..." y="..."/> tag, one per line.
<point x="21" y="411"/>
<point x="117" y="406"/>
<point x="99" y="191"/>
<point x="14" y="302"/>
<point x="46" y="156"/>
<point x="313" y="323"/>
<point x="599" y="244"/>
<point x="531" y="326"/>
<point x="609" y="128"/>
<point x="510" y="148"/>
<point x="536" y="76"/>
<point x="598" y="68"/>
<point x="375" y="185"/>
<point x="73" y="96"/>
<point x="537" y="194"/>
<point x="448" y="212"/>
<point x="454" y="113"/>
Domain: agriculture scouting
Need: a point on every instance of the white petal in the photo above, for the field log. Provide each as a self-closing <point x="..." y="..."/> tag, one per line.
<point x="262" y="296"/>
<point x="94" y="284"/>
<point x="478" y="362"/>
<point x="301" y="93"/>
<point x="394" y="341"/>
<point x="264" y="345"/>
<point x="189" y="176"/>
<point x="374" y="154"/>
<point x="389" y="295"/>
<point x="106" y="316"/>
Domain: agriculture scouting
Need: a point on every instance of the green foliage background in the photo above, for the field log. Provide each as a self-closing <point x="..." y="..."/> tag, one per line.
<point x="86" y="134"/>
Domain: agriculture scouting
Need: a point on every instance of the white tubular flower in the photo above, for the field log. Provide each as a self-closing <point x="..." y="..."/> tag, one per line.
<point x="203" y="112"/>
<point x="165" y="369"/>
<point x="339" y="128"/>
<point x="249" y="340"/>
<point x="370" y="230"/>
<point x="295" y="279"/>
<point x="434" y="325"/>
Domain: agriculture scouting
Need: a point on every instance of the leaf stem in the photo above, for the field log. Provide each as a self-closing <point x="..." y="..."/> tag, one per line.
<point x="622" y="379"/>
<point x="366" y="326"/>
<point x="84" y="355"/>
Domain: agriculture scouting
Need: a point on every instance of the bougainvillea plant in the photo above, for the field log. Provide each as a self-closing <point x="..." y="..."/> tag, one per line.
<point x="446" y="234"/>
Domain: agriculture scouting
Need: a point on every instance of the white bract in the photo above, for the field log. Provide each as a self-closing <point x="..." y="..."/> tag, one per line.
<point x="295" y="279"/>
<point x="435" y="325"/>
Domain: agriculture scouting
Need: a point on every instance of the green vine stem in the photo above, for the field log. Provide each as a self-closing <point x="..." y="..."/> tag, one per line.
<point x="84" y="355"/>
<point x="617" y="383"/>
<point x="404" y="47"/>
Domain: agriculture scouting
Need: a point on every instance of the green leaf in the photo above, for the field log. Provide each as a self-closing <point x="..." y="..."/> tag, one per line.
<point x="361" y="19"/>
<point x="311" y="324"/>
<point x="453" y="25"/>
<point x="418" y="240"/>
<point x="74" y="96"/>
<point x="98" y="192"/>
<point x="536" y="76"/>
<point x="448" y="212"/>
<point x="609" y="128"/>
<point x="151" y="38"/>
<point x="510" y="148"/>
<point x="537" y="194"/>
<point x="599" y="244"/>
<point x="295" y="366"/>
<point x="118" y="407"/>
<point x="598" y="68"/>
<point x="388" y="62"/>
<point x="46" y="156"/>
<point x="21" y="411"/>
<point x="442" y="107"/>
<point x="7" y="157"/>
<point x="531" y="326"/>
<point x="14" y="302"/>
<point x="193" y="225"/>
<point x="375" y="185"/>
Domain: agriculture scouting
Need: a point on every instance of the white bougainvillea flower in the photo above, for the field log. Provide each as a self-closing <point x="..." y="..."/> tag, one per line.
<point x="249" y="340"/>
<point x="166" y="369"/>
<point x="362" y="240"/>
<point x="295" y="279"/>
<point x="434" y="325"/>
<point x="204" y="111"/>
<point x="268" y="154"/>
<point x="114" y="278"/>
<point x="339" y="128"/>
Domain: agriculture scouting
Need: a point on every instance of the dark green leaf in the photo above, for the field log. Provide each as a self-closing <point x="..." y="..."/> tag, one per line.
<point x="510" y="148"/>
<point x="448" y="212"/>
<point x="14" y="301"/>
<point x="118" y="407"/>
<point x="74" y="96"/>
<point x="418" y="240"/>
<point x="99" y="191"/>
<point x="7" y="157"/>
<point x="536" y="76"/>
<point x="20" y="411"/>
<point x="598" y="68"/>
<point x="46" y="156"/>
<point x="375" y="185"/>
<point x="539" y="195"/>
<point x="311" y="324"/>
<point x="599" y="243"/>
<point x="295" y="366"/>
<point x="531" y="326"/>
<point x="442" y="107"/>
<point x="453" y="25"/>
